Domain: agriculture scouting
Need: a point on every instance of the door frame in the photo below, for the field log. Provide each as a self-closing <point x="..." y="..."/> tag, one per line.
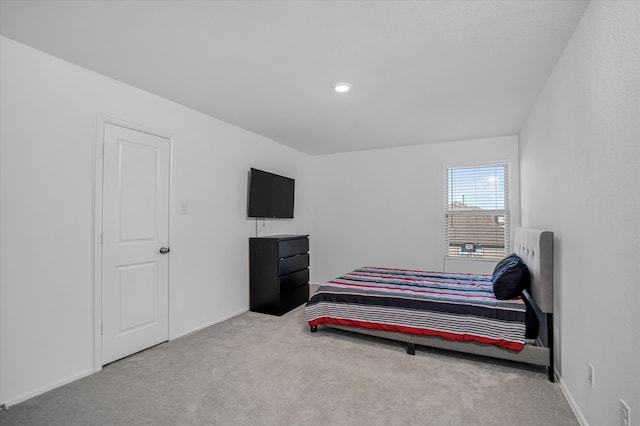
<point x="101" y="122"/>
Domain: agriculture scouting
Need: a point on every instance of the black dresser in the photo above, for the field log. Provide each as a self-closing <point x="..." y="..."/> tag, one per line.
<point x="278" y="273"/>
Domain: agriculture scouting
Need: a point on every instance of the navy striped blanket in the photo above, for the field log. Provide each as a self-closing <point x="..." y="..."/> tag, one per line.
<point x="452" y="306"/>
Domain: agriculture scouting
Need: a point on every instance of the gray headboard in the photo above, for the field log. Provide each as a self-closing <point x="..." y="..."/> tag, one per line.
<point x="535" y="247"/>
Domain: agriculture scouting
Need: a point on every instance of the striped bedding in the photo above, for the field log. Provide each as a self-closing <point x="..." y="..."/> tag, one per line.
<point x="452" y="306"/>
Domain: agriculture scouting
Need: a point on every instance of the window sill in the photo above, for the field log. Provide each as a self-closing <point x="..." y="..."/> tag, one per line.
<point x="469" y="265"/>
<point x="470" y="259"/>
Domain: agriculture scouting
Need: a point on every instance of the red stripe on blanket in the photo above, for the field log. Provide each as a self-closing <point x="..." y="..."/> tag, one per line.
<point x="506" y="344"/>
<point x="465" y="283"/>
<point x="413" y="290"/>
<point x="422" y="271"/>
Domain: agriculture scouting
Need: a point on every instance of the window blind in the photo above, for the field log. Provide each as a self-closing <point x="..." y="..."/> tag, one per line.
<point x="477" y="216"/>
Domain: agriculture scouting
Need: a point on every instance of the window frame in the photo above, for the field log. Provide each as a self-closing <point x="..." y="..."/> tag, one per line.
<point x="507" y="211"/>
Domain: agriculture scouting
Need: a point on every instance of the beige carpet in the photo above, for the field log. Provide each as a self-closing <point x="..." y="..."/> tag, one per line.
<point x="257" y="369"/>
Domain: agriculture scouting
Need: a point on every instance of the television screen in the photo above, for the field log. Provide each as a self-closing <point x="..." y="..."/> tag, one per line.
<point x="270" y="195"/>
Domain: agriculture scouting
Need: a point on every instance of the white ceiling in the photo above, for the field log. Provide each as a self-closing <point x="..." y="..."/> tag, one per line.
<point x="422" y="71"/>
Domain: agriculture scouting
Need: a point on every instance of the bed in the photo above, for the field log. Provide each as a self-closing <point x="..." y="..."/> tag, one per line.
<point x="458" y="312"/>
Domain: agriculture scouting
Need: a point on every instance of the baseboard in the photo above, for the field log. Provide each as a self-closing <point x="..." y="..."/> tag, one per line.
<point x="38" y="391"/>
<point x="214" y="322"/>
<point x="46" y="388"/>
<point x="27" y="395"/>
<point x="572" y="402"/>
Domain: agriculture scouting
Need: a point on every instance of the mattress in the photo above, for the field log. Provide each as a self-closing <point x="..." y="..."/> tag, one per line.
<point x="453" y="306"/>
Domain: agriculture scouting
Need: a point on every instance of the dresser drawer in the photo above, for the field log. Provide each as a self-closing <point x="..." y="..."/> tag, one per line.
<point x="291" y="281"/>
<point x="293" y="263"/>
<point x="292" y="247"/>
<point x="293" y="298"/>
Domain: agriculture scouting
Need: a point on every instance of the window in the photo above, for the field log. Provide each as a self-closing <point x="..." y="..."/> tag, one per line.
<point x="477" y="212"/>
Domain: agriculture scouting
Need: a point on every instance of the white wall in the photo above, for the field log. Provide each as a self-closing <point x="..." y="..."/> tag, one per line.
<point x="580" y="175"/>
<point x="385" y="207"/>
<point x="49" y="115"/>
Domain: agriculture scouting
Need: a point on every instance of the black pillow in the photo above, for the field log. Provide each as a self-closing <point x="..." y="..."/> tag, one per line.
<point x="510" y="278"/>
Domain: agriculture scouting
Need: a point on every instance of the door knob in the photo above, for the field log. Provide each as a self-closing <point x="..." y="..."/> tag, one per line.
<point x="164" y="250"/>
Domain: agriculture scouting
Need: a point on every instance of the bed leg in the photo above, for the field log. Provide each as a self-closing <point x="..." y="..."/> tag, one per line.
<point x="550" y="344"/>
<point x="313" y="328"/>
<point x="411" y="348"/>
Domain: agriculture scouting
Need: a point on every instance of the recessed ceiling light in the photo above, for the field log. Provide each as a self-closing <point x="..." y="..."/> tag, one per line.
<point x="342" y="87"/>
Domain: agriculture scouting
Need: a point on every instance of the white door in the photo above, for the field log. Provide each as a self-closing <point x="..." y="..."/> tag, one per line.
<point x="135" y="227"/>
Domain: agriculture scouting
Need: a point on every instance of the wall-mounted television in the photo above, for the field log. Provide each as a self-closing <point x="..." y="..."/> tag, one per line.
<point x="270" y="195"/>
